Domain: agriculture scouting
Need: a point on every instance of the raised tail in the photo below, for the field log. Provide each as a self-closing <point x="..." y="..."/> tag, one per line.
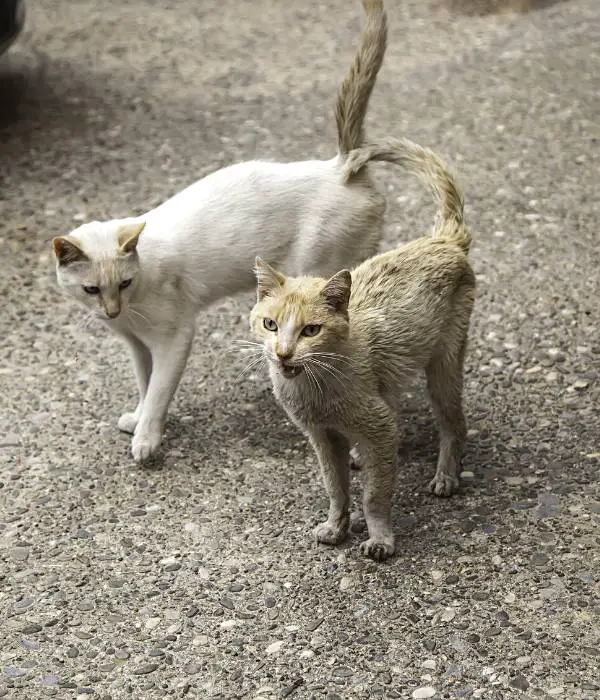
<point x="355" y="91"/>
<point x="431" y="169"/>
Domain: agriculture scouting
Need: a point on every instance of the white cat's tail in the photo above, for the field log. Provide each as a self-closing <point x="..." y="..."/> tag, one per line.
<point x="433" y="172"/>
<point x="355" y="91"/>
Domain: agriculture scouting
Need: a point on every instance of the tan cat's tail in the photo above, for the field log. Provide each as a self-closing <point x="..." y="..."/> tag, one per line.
<point x="432" y="171"/>
<point x="355" y="91"/>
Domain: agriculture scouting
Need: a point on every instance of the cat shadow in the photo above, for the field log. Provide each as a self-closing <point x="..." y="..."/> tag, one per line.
<point x="34" y="101"/>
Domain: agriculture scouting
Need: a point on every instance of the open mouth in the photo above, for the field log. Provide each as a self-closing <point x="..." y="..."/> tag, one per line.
<point x="289" y="371"/>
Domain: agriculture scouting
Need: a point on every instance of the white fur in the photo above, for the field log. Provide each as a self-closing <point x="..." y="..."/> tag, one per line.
<point x="200" y="245"/>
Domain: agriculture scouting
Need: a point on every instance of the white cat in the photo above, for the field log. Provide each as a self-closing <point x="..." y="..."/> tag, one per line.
<point x="147" y="277"/>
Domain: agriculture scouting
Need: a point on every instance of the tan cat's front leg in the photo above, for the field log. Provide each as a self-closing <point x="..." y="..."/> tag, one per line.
<point x="332" y="451"/>
<point x="142" y="365"/>
<point x="378" y="449"/>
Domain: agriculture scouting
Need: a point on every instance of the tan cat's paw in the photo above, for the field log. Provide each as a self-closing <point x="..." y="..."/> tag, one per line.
<point x="144" y="445"/>
<point x="326" y="534"/>
<point x="127" y="423"/>
<point x="378" y="548"/>
<point x="443" y="485"/>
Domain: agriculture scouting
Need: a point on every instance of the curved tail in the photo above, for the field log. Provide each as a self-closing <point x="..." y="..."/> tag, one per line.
<point x="355" y="91"/>
<point x="432" y="171"/>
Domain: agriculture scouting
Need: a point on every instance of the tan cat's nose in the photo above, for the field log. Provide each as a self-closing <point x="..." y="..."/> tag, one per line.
<point x="284" y="354"/>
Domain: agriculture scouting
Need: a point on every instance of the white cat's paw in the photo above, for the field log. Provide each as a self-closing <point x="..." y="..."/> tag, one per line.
<point x="128" y="423"/>
<point x="378" y="548"/>
<point x="328" y="534"/>
<point x="145" y="445"/>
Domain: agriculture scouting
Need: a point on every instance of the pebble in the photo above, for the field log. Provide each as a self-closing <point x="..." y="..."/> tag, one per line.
<point x="437" y="576"/>
<point x="510" y="598"/>
<point x="556" y="691"/>
<point x="467" y="474"/>
<point x="429" y="664"/>
<point x="448" y="615"/>
<point x="32" y="628"/>
<point x="20" y="553"/>
<point x="497" y="561"/>
<point x="152" y="623"/>
<point x="144" y="669"/>
<point x="427" y="691"/>
<point x="346" y="583"/>
<point x="314" y="624"/>
<point x="228" y="624"/>
<point x="275" y="647"/>
<point x="519" y="682"/>
<point x="191" y="668"/>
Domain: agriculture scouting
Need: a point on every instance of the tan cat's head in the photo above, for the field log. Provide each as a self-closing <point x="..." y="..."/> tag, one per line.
<point x="299" y="319"/>
<point x="97" y="264"/>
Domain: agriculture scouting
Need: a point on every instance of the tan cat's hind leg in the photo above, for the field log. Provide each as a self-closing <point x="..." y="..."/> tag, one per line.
<point x="332" y="451"/>
<point x="445" y="384"/>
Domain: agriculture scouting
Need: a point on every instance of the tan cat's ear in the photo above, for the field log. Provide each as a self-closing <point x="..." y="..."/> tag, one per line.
<point x="337" y="291"/>
<point x="128" y="236"/>
<point x="67" y="250"/>
<point x="267" y="278"/>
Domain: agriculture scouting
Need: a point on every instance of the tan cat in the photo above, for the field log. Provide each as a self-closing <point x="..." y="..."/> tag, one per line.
<point x="339" y="351"/>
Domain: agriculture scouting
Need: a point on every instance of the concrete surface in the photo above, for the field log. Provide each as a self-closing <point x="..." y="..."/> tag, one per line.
<point x="198" y="577"/>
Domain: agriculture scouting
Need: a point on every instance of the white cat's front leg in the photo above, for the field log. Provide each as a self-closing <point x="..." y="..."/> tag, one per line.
<point x="168" y="362"/>
<point x="142" y="365"/>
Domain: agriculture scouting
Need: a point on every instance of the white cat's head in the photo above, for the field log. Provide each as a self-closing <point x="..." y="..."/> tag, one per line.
<point x="301" y="321"/>
<point x="97" y="264"/>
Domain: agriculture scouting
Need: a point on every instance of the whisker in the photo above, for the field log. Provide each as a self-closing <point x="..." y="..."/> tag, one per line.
<point x="252" y="364"/>
<point x="335" y="372"/>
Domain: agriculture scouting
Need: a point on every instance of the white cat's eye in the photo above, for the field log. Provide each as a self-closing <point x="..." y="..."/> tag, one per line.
<point x="269" y="324"/>
<point x="311" y="330"/>
<point x="124" y="284"/>
<point x="91" y="289"/>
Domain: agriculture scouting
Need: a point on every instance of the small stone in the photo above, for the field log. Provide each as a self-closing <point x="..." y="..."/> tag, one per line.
<point x="152" y="623"/>
<point x="85" y="605"/>
<point x="519" y="682"/>
<point x="424" y="692"/>
<point x="448" y="615"/>
<point x="227" y="603"/>
<point x="510" y="598"/>
<point x="467" y="475"/>
<point x="275" y="647"/>
<point x="539" y="559"/>
<point x="556" y="691"/>
<point x="19" y="554"/>
<point x="513" y="480"/>
<point x="493" y="632"/>
<point x="307" y="654"/>
<point x="175" y="566"/>
<point x="429" y="664"/>
<point x="32" y="628"/>
<point x="144" y="669"/>
<point x="121" y="654"/>
<point x="452" y="579"/>
<point x="314" y="624"/>
<point x="192" y="668"/>
<point x="228" y="624"/>
<point x="191" y="612"/>
<point x="497" y="561"/>
<point x="523" y="661"/>
<point x="342" y="672"/>
<point x="429" y="644"/>
<point x="73" y="652"/>
<point x="437" y="576"/>
<point x="346" y="583"/>
<point x="580" y="385"/>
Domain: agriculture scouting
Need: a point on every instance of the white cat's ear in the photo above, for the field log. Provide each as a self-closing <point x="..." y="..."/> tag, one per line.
<point x="128" y="236"/>
<point x="337" y="291"/>
<point x="268" y="279"/>
<point x="67" y="250"/>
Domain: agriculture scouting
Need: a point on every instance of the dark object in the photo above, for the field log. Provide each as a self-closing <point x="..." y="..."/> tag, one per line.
<point x="12" y="18"/>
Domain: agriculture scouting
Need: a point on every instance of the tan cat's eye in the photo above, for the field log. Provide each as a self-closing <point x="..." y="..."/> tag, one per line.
<point x="311" y="330"/>
<point x="269" y="324"/>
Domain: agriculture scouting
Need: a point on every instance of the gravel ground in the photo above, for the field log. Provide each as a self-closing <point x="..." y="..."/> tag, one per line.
<point x="198" y="577"/>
